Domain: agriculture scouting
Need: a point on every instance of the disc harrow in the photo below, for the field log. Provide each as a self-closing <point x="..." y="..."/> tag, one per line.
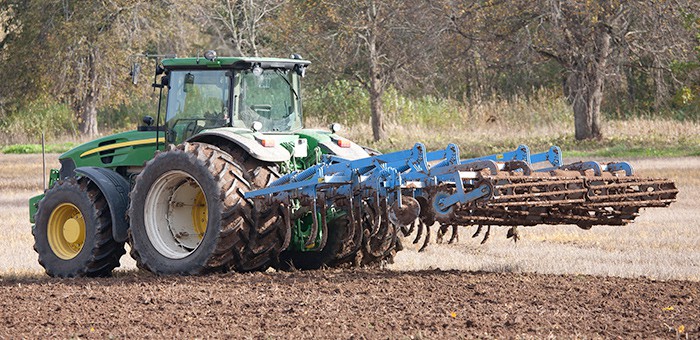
<point x="411" y="190"/>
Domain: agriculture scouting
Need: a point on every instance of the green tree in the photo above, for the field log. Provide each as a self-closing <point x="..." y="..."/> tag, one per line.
<point x="75" y="51"/>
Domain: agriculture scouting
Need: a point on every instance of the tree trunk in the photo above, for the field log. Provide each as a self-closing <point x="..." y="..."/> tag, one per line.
<point x="661" y="92"/>
<point x="375" y="102"/>
<point x="88" y="117"/>
<point x="585" y="84"/>
<point x="88" y="107"/>
<point x="376" y="83"/>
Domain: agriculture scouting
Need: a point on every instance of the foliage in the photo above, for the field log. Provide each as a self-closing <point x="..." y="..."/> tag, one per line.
<point x="341" y="101"/>
<point x="597" y="44"/>
<point x="81" y="51"/>
<point x="128" y="114"/>
<point x="376" y="43"/>
<point x="42" y="115"/>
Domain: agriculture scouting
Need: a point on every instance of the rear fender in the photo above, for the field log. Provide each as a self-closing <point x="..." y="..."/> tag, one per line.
<point x="351" y="153"/>
<point x="116" y="189"/>
<point x="273" y="154"/>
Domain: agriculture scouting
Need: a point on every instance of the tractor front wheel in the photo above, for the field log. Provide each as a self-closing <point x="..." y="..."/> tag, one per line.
<point x="73" y="231"/>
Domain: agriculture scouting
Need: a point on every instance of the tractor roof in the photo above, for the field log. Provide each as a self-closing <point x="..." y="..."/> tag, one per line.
<point x="232" y="62"/>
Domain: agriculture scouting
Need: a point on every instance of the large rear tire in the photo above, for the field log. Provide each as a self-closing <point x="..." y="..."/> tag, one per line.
<point x="73" y="231"/>
<point x="263" y="232"/>
<point x="185" y="213"/>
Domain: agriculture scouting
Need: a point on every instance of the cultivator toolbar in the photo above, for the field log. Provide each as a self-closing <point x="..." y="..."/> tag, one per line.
<point x="516" y="188"/>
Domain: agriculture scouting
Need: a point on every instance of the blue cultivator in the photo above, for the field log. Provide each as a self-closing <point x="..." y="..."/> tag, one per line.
<point x="396" y="191"/>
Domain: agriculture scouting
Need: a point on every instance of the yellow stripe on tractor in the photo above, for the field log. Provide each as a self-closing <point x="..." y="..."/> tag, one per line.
<point x="121" y="145"/>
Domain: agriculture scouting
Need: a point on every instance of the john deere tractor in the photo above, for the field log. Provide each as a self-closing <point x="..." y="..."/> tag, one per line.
<point x="231" y="180"/>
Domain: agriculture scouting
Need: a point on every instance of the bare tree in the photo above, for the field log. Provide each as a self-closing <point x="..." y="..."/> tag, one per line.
<point x="375" y="42"/>
<point x="236" y="25"/>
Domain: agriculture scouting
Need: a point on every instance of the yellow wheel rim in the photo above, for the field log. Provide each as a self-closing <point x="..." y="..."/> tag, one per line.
<point x="66" y="231"/>
<point x="200" y="216"/>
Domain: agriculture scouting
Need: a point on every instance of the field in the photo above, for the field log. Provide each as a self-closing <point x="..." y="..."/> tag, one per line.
<point x="639" y="280"/>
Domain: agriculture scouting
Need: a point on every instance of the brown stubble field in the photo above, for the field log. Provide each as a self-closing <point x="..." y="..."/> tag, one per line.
<point x="641" y="280"/>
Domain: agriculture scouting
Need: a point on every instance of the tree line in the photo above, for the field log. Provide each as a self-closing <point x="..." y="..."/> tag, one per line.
<point x="634" y="55"/>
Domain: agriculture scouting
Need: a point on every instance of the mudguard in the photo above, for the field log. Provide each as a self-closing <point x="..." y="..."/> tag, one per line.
<point x="273" y="154"/>
<point x="352" y="153"/>
<point x="116" y="189"/>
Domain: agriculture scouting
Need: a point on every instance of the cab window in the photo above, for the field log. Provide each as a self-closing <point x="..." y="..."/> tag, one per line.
<point x="197" y="100"/>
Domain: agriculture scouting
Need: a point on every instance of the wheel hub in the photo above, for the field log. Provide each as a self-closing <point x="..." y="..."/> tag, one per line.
<point x="71" y="230"/>
<point x="176" y="214"/>
<point x="439" y="205"/>
<point x="200" y="214"/>
<point x="66" y="231"/>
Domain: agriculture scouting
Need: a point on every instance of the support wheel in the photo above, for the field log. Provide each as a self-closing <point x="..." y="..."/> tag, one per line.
<point x="73" y="231"/>
<point x="380" y="241"/>
<point x="185" y="214"/>
<point x="332" y="255"/>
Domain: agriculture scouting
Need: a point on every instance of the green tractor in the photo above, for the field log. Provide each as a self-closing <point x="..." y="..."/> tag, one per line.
<point x="230" y="180"/>
<point x="174" y="190"/>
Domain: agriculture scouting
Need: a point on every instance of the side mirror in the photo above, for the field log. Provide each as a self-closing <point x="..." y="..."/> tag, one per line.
<point x="300" y="70"/>
<point x="135" y="70"/>
<point x="148" y="120"/>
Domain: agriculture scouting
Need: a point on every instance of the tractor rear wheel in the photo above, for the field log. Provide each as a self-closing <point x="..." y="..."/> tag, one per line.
<point x="184" y="211"/>
<point x="188" y="214"/>
<point x="73" y="231"/>
<point x="263" y="232"/>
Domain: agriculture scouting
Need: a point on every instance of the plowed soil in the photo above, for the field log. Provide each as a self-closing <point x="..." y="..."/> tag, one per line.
<point x="350" y="304"/>
<point x="495" y="293"/>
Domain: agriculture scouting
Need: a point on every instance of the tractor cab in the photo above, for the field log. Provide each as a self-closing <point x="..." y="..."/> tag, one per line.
<point x="259" y="94"/>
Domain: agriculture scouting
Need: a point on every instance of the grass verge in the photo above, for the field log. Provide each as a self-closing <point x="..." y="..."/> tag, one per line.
<point x="36" y="148"/>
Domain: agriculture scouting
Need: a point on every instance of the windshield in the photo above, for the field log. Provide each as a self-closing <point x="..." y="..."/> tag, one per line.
<point x="197" y="100"/>
<point x="268" y="98"/>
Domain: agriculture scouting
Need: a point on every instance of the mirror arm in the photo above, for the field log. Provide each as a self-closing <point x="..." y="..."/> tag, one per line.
<point x="160" y="100"/>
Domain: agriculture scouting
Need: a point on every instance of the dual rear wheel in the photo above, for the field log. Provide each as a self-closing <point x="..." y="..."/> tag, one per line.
<point x="188" y="214"/>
